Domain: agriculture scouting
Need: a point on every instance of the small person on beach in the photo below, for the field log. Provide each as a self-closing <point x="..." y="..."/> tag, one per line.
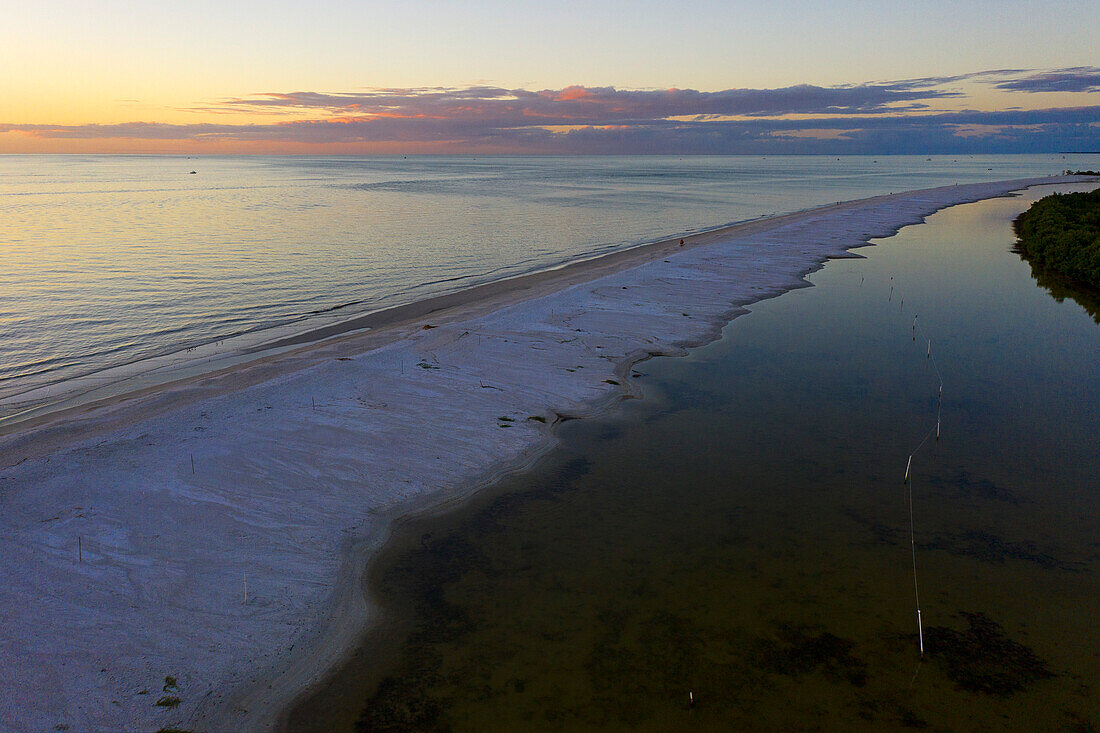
<point x="681" y="243"/>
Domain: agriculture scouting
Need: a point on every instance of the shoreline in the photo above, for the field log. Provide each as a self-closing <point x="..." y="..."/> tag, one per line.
<point x="585" y="561"/>
<point x="374" y="328"/>
<point x="276" y="497"/>
<point x="257" y="349"/>
<point x="288" y="342"/>
<point x="34" y="407"/>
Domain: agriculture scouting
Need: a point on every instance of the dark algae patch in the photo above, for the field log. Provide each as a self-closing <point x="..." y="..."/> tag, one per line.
<point x="397" y="707"/>
<point x="798" y="651"/>
<point x="981" y="658"/>
<point x="732" y="551"/>
<point x="988" y="547"/>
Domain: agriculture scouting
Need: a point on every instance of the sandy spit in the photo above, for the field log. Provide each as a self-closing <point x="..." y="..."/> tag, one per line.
<point x="214" y="530"/>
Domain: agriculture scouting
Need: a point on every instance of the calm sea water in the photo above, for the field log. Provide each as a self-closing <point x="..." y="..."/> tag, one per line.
<point x="106" y="260"/>
<point x="743" y="533"/>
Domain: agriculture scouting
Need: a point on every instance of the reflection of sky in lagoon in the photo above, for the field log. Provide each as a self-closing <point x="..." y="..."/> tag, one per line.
<point x="743" y="532"/>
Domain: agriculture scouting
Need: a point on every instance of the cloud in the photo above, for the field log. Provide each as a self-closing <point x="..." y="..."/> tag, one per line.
<point x="1048" y="130"/>
<point x="877" y="117"/>
<point x="925" y="82"/>
<point x="1076" y="79"/>
<point x="1033" y="130"/>
<point x="596" y="105"/>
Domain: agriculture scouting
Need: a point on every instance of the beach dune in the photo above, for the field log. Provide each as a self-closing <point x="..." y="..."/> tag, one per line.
<point x="213" y="530"/>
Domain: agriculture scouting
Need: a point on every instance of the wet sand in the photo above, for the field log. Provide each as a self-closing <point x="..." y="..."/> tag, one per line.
<point x="213" y="528"/>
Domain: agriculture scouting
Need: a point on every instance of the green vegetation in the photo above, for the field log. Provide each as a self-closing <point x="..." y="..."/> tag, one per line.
<point x="1062" y="233"/>
<point x="168" y="701"/>
<point x="1083" y="173"/>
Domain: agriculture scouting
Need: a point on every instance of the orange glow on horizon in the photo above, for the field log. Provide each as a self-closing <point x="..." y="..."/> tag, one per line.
<point x="24" y="144"/>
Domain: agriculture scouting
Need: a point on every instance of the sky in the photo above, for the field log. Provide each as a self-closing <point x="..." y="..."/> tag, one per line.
<point x="516" y="76"/>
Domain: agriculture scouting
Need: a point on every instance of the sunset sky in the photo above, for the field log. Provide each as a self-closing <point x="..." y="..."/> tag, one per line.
<point x="567" y="77"/>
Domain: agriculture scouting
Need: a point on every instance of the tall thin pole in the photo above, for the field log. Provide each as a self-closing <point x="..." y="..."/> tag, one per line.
<point x="916" y="589"/>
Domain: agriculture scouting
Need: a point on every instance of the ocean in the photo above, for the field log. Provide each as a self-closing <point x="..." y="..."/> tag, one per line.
<point x="112" y="260"/>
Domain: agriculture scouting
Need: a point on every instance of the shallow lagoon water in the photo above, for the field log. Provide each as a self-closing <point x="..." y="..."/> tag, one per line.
<point x="742" y="533"/>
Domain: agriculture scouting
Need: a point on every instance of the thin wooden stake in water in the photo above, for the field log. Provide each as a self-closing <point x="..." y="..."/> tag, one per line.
<point x="916" y="588"/>
<point x="314" y="401"/>
<point x="929" y="354"/>
<point x="907" y="465"/>
<point x="246" y="587"/>
<point x="192" y="463"/>
<point x="80" y="548"/>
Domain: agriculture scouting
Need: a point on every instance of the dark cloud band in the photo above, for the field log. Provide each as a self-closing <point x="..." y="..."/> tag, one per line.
<point x="878" y="117"/>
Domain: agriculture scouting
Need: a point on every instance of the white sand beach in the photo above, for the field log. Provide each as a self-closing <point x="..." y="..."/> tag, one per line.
<point x="213" y="527"/>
